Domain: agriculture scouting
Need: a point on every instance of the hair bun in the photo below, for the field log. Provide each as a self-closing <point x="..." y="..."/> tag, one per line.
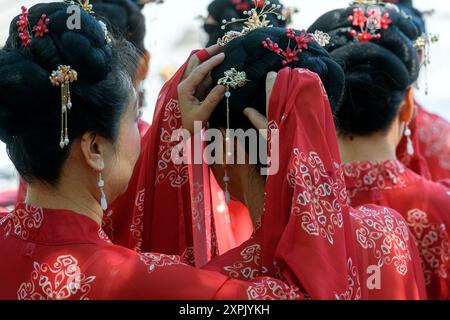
<point x="247" y="54"/>
<point x="85" y="49"/>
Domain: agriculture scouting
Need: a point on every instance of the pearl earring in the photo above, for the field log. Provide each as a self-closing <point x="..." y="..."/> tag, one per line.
<point x="409" y="144"/>
<point x="101" y="185"/>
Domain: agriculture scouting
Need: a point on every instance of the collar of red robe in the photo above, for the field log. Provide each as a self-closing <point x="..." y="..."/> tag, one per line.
<point x="47" y="226"/>
<point x="368" y="175"/>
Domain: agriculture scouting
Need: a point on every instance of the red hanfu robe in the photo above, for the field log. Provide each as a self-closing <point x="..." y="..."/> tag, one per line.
<point x="425" y="205"/>
<point x="431" y="140"/>
<point x="309" y="235"/>
<point x="58" y="255"/>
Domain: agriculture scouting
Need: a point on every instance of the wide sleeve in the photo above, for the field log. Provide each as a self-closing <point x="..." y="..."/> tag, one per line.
<point x="163" y="277"/>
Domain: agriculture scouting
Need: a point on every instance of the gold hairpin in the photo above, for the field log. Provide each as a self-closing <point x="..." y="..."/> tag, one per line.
<point x="257" y="18"/>
<point x="322" y="38"/>
<point x="426" y="39"/>
<point x="83" y="4"/>
<point x="63" y="77"/>
<point x="232" y="79"/>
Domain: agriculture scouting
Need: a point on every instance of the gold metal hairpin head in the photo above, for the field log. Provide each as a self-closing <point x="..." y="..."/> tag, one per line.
<point x="83" y="4"/>
<point x="425" y="40"/>
<point x="257" y="18"/>
<point x="233" y="79"/>
<point x="322" y="38"/>
<point x="63" y="77"/>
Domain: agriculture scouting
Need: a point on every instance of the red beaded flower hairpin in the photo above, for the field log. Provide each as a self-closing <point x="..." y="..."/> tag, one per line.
<point x="290" y="55"/>
<point x="23" y="27"/>
<point x="370" y="23"/>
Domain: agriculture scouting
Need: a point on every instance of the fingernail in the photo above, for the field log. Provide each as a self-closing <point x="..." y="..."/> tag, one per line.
<point x="246" y="111"/>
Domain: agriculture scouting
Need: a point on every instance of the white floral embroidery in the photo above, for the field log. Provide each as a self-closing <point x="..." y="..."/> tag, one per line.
<point x="270" y="289"/>
<point x="434" y="137"/>
<point x="188" y="256"/>
<point x="156" y="260"/>
<point x="103" y="236"/>
<point x="318" y="201"/>
<point x="137" y="223"/>
<point x="60" y="281"/>
<point x="176" y="173"/>
<point x="107" y="224"/>
<point x="365" y="176"/>
<point x="432" y="242"/>
<point x="22" y="222"/>
<point x="248" y="267"/>
<point x="354" y="284"/>
<point x="385" y="234"/>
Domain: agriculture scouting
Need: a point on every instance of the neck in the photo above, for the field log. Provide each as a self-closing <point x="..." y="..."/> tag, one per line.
<point x="376" y="148"/>
<point x="74" y="199"/>
<point x="253" y="188"/>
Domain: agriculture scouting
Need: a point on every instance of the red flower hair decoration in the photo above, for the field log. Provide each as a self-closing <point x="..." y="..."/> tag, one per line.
<point x="23" y="27"/>
<point x="369" y="23"/>
<point x="290" y="55"/>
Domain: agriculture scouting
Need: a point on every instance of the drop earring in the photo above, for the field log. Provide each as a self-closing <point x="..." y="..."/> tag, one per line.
<point x="409" y="144"/>
<point x="101" y="186"/>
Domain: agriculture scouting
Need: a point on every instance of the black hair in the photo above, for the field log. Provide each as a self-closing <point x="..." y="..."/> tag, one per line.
<point x="124" y="18"/>
<point x="221" y="10"/>
<point x="408" y="7"/>
<point x="30" y="107"/>
<point x="378" y="73"/>
<point x="247" y="54"/>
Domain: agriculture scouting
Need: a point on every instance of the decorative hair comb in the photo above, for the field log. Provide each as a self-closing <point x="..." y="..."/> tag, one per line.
<point x="232" y="79"/>
<point x="369" y="23"/>
<point x="290" y="55"/>
<point x="322" y="38"/>
<point x="257" y="18"/>
<point x="63" y="77"/>
<point x="23" y="27"/>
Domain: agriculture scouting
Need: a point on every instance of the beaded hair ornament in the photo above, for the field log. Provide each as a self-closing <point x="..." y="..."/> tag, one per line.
<point x="26" y="33"/>
<point x="232" y="79"/>
<point x="64" y="76"/>
<point x="236" y="79"/>
<point x="423" y="44"/>
<point x="257" y="18"/>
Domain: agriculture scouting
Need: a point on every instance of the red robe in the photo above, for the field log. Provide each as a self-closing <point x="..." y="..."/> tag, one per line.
<point x="309" y="235"/>
<point x="59" y="255"/>
<point x="431" y="140"/>
<point x="424" y="204"/>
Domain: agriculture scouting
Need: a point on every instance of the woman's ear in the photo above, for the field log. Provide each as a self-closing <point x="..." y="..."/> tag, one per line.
<point x="93" y="148"/>
<point x="407" y="107"/>
<point x="144" y="66"/>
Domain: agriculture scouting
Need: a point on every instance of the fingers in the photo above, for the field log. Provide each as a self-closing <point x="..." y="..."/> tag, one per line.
<point x="201" y="72"/>
<point x="270" y="82"/>
<point x="214" y="50"/>
<point x="256" y="118"/>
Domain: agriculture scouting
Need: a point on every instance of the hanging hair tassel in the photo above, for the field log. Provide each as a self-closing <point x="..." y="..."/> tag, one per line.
<point x="231" y="80"/>
<point x="63" y="77"/>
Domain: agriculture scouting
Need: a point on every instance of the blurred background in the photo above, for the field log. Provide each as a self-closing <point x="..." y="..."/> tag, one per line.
<point x="174" y="29"/>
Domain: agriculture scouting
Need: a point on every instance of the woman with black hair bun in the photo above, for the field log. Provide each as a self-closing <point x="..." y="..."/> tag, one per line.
<point x="375" y="47"/>
<point x="227" y="10"/>
<point x="430" y="133"/>
<point x="123" y="19"/>
<point x="68" y="116"/>
<point x="301" y="223"/>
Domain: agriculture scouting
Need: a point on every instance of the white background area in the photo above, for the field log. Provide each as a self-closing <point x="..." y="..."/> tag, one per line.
<point x="174" y="29"/>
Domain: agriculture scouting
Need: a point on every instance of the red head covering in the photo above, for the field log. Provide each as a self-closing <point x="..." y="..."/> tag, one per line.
<point x="309" y="236"/>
